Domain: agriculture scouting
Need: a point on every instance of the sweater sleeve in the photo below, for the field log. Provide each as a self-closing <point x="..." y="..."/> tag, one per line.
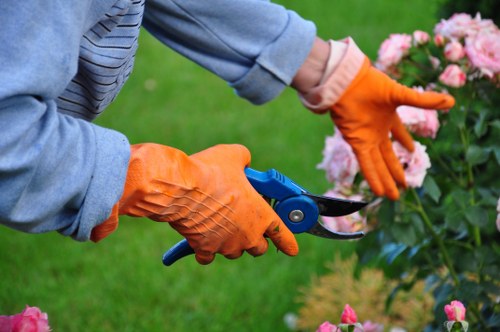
<point x="57" y="173"/>
<point x="254" y="45"/>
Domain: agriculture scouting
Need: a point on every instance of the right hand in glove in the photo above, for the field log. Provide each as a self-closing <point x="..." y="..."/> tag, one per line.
<point x="206" y="197"/>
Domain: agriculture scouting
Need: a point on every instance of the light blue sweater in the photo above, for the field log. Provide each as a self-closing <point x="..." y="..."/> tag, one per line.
<point x="63" y="61"/>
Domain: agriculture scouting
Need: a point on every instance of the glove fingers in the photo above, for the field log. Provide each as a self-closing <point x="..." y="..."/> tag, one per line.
<point x="370" y="172"/>
<point x="384" y="171"/>
<point x="403" y="95"/>
<point x="259" y="249"/>
<point x="282" y="237"/>
<point x="393" y="163"/>
<point x="233" y="154"/>
<point x="400" y="134"/>
<point x="204" y="257"/>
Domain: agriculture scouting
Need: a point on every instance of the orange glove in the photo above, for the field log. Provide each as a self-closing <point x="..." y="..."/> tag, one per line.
<point x="206" y="197"/>
<point x="362" y="102"/>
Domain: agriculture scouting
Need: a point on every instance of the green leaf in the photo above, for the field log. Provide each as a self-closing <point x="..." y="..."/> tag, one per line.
<point x="496" y="151"/>
<point x="495" y="124"/>
<point x="455" y="220"/>
<point x="392" y="250"/>
<point x="404" y="233"/>
<point x="480" y="128"/>
<point x="477" y="216"/>
<point x="476" y="155"/>
<point x="431" y="188"/>
<point x="457" y="117"/>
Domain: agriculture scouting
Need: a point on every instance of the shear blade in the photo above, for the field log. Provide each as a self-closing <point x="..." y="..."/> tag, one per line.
<point x="318" y="230"/>
<point x="335" y="207"/>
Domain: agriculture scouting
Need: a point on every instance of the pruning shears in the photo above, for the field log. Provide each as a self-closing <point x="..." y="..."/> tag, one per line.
<point x="298" y="208"/>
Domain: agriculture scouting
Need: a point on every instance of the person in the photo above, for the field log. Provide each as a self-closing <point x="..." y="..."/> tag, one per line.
<point x="63" y="62"/>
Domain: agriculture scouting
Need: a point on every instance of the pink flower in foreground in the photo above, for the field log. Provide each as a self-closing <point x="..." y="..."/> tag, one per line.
<point x="348" y="315"/>
<point x="348" y="224"/>
<point x="455" y="311"/>
<point x="327" y="327"/>
<point x="415" y="164"/>
<point x="392" y="51"/>
<point x="31" y="319"/>
<point x="420" y="37"/>
<point x="339" y="161"/>
<point x="439" y="40"/>
<point x="453" y="76"/>
<point x="454" y="51"/>
<point x="421" y="122"/>
<point x="483" y="51"/>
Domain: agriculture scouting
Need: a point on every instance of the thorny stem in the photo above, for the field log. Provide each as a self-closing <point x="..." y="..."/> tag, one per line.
<point x="442" y="248"/>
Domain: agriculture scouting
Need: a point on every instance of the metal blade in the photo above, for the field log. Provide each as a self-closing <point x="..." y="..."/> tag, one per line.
<point x="335" y="207"/>
<point x="320" y="231"/>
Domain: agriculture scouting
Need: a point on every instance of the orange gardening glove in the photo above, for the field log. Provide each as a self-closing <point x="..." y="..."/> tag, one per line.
<point x="206" y="197"/>
<point x="363" y="107"/>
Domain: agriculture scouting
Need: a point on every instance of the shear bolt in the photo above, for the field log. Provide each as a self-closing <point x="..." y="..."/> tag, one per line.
<point x="296" y="216"/>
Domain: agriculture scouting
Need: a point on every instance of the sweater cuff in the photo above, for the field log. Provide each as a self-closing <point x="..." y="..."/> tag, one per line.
<point x="337" y="77"/>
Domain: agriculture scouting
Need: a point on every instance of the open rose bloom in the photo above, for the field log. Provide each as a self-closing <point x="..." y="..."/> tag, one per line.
<point x="31" y="319"/>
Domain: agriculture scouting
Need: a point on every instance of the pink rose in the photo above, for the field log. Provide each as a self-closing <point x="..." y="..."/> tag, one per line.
<point x="339" y="161"/>
<point x="31" y="319"/>
<point x="455" y="311"/>
<point x="454" y="51"/>
<point x="462" y="25"/>
<point x="327" y="327"/>
<point x="415" y="164"/>
<point x="420" y="37"/>
<point x="349" y="223"/>
<point x="453" y="76"/>
<point x="422" y="122"/>
<point x="392" y="51"/>
<point x="348" y="315"/>
<point x="439" y="40"/>
<point x="483" y="51"/>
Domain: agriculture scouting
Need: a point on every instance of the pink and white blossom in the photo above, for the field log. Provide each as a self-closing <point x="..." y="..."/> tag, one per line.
<point x="421" y="122"/>
<point x="454" y="51"/>
<point x="370" y="326"/>
<point x="326" y="327"/>
<point x="415" y="164"/>
<point x="420" y="37"/>
<point x="461" y="25"/>
<point x="483" y="51"/>
<point x="339" y="161"/>
<point x="393" y="50"/>
<point x="455" y="311"/>
<point x="453" y="76"/>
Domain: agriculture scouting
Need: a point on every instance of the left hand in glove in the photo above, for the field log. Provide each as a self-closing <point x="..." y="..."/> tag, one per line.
<point x="362" y="102"/>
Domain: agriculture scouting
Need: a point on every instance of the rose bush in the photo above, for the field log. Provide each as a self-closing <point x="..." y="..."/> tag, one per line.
<point x="445" y="228"/>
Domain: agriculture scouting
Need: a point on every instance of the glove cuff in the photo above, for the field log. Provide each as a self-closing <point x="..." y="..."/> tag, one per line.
<point x="110" y="225"/>
<point x="337" y="77"/>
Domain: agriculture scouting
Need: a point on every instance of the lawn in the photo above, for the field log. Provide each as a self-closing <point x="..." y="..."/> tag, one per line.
<point x="120" y="283"/>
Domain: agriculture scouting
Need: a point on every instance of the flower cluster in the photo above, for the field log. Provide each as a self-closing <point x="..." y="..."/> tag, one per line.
<point x="349" y="322"/>
<point x="31" y="319"/>
<point x="455" y="312"/>
<point x="445" y="224"/>
<point x="470" y="49"/>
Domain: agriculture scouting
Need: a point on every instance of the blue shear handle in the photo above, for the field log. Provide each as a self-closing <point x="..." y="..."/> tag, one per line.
<point x="178" y="251"/>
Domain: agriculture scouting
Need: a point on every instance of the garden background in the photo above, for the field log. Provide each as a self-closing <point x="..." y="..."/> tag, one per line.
<point x="120" y="284"/>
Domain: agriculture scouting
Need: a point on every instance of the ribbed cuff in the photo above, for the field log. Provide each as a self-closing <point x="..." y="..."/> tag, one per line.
<point x="337" y="77"/>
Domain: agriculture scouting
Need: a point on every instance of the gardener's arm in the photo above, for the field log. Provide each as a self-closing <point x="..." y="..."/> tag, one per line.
<point x="259" y="48"/>
<point x="54" y="168"/>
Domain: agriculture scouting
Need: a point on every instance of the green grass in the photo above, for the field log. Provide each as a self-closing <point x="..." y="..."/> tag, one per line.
<point x="120" y="283"/>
